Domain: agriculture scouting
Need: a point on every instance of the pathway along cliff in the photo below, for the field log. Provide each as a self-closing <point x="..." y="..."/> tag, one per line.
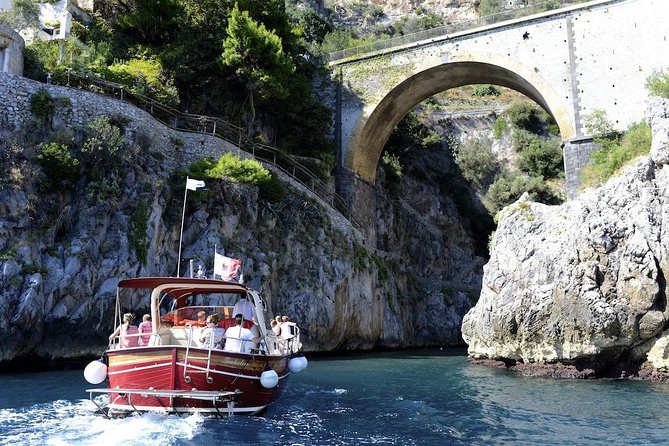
<point x="64" y="248"/>
<point x="579" y="290"/>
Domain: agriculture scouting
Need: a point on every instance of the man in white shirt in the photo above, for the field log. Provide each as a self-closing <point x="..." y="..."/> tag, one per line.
<point x="239" y="339"/>
<point x="245" y="307"/>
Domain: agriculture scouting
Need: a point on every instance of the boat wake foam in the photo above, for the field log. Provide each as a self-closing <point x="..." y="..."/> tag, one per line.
<point x="72" y="423"/>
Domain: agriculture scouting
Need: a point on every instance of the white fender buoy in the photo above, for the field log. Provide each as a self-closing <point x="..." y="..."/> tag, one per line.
<point x="294" y="365"/>
<point x="297" y="364"/>
<point x="269" y="379"/>
<point x="95" y="372"/>
<point x="304" y="362"/>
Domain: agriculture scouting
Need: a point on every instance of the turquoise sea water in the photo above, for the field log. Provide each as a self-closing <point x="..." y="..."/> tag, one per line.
<point x="407" y="398"/>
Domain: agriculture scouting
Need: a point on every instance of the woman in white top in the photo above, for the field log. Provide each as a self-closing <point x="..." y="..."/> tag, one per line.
<point x="212" y="335"/>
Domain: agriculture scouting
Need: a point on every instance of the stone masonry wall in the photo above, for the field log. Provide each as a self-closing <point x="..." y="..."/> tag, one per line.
<point x="15" y="93"/>
<point x="591" y="56"/>
<point x="576" y="156"/>
<point x="179" y="148"/>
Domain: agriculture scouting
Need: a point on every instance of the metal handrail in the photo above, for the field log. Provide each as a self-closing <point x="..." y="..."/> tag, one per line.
<point x="451" y="28"/>
<point x="217" y="127"/>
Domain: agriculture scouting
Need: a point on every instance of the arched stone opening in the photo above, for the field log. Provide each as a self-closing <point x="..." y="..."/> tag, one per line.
<point x="378" y="120"/>
<point x="11" y="51"/>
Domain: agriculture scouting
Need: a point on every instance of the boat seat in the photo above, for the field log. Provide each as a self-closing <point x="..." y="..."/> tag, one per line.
<point x="179" y="336"/>
<point x="161" y="338"/>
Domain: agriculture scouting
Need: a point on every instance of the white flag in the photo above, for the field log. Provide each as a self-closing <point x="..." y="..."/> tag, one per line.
<point x="226" y="267"/>
<point x="194" y="184"/>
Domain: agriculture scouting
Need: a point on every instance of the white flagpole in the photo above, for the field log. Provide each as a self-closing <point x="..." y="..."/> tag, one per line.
<point x="213" y="268"/>
<point x="181" y="233"/>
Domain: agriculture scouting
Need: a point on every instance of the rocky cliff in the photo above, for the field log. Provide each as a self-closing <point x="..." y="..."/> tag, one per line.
<point x="580" y="289"/>
<point x="62" y="250"/>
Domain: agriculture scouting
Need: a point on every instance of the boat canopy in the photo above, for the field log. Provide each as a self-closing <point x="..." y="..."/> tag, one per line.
<point x="182" y="282"/>
<point x="182" y="287"/>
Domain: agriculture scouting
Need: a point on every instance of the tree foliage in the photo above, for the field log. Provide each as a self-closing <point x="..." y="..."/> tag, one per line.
<point x="102" y="150"/>
<point x="476" y="161"/>
<point x="525" y="116"/>
<point x="508" y="187"/>
<point x="60" y="168"/>
<point x="616" y="152"/>
<point x="597" y="124"/>
<point x="489" y="7"/>
<point x="658" y="83"/>
<point x="151" y="22"/>
<point x="23" y="14"/>
<point x="542" y="159"/>
<point x="256" y="54"/>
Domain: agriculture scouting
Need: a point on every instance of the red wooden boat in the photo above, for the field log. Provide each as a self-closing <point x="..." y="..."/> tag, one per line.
<point x="176" y="372"/>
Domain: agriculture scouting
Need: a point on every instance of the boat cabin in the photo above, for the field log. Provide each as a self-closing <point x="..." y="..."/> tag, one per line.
<point x="179" y="307"/>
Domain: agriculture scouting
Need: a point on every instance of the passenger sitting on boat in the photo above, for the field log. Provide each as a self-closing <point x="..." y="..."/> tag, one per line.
<point x="230" y="322"/>
<point x="145" y="329"/>
<point x="276" y="327"/>
<point x="211" y="336"/>
<point x="200" y="322"/>
<point x="238" y="339"/>
<point x="128" y="333"/>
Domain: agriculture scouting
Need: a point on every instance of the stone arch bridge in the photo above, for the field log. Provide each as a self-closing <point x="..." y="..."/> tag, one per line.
<point x="571" y="61"/>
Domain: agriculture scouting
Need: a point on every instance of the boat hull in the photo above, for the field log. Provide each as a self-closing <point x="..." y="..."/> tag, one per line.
<point x="215" y="381"/>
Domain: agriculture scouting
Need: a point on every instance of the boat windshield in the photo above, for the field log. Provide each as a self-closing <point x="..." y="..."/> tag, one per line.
<point x="194" y="315"/>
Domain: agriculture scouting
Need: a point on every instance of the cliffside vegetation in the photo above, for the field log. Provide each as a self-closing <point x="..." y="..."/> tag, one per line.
<point x="261" y="65"/>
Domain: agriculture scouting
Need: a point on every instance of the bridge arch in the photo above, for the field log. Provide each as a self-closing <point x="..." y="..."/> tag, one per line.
<point x="378" y="120"/>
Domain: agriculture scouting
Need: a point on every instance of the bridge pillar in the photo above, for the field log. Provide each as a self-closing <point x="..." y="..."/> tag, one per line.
<point x="360" y="195"/>
<point x="576" y="154"/>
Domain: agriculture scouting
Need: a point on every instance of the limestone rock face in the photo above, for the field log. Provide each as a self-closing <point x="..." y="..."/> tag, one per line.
<point x="62" y="252"/>
<point x="584" y="282"/>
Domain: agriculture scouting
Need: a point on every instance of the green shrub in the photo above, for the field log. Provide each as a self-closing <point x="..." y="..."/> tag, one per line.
<point x="551" y="125"/>
<point x="615" y="154"/>
<point x="542" y="159"/>
<point x="58" y="164"/>
<point x="392" y="162"/>
<point x="248" y="171"/>
<point x="522" y="139"/>
<point x="42" y="105"/>
<point x="476" y="161"/>
<point x="554" y="129"/>
<point x="489" y="7"/>
<point x="321" y="168"/>
<point x="103" y="189"/>
<point x="549" y="5"/>
<point x="526" y="116"/>
<point x="485" y="90"/>
<point x="499" y="127"/>
<point x="33" y="269"/>
<point x="273" y="190"/>
<point x="597" y="124"/>
<point x="145" y="77"/>
<point x="508" y="187"/>
<point x="102" y="150"/>
<point x="658" y="84"/>
<point x="201" y="168"/>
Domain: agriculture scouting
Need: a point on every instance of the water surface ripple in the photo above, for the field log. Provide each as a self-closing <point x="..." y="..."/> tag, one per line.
<point x="407" y="398"/>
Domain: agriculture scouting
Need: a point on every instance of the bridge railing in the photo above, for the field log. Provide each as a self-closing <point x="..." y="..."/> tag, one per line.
<point x="451" y="28"/>
<point x="224" y="130"/>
